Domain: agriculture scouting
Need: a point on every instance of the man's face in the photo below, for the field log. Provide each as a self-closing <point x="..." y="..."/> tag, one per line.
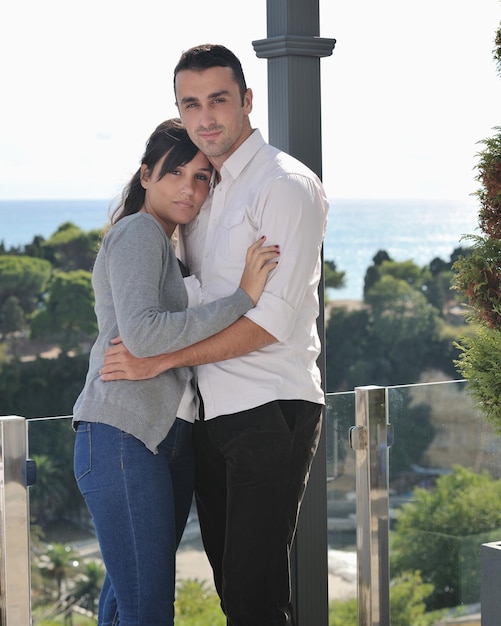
<point x="210" y="107"/>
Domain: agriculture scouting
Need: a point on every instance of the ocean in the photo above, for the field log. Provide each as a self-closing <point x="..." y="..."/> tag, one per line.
<point x="420" y="230"/>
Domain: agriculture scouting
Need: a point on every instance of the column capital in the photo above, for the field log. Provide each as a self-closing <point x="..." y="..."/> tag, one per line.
<point x="293" y="45"/>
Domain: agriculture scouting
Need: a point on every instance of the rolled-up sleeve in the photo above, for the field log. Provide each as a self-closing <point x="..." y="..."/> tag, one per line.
<point x="293" y="216"/>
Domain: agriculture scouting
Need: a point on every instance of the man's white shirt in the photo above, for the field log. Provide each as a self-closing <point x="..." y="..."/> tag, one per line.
<point x="262" y="191"/>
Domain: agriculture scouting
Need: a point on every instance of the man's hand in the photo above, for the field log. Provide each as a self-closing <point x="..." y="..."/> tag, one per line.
<point x="240" y="338"/>
<point x="120" y="364"/>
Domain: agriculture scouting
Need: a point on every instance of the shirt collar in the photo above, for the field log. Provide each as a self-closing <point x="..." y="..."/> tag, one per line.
<point x="235" y="163"/>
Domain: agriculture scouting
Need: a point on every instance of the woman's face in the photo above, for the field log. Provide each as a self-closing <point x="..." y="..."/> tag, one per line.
<point x="177" y="197"/>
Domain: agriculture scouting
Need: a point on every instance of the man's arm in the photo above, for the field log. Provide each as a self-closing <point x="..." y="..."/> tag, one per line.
<point x="240" y="338"/>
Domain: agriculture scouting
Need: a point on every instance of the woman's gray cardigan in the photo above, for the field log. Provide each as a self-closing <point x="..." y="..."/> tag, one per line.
<point x="140" y="295"/>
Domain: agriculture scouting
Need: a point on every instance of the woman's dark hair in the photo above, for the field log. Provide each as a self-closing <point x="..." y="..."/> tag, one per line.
<point x="170" y="138"/>
<point x="212" y="55"/>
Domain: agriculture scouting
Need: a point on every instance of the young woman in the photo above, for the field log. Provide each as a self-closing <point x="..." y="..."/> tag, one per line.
<point x="133" y="455"/>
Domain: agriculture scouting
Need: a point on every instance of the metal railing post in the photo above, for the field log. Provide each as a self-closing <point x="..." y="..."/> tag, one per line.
<point x="370" y="438"/>
<point x="15" y="579"/>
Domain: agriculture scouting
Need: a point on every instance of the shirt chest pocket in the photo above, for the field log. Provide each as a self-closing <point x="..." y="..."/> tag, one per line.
<point x="239" y="232"/>
<point x="234" y="218"/>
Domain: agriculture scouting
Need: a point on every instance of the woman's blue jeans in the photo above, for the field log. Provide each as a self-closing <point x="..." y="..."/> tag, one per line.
<point x="139" y="503"/>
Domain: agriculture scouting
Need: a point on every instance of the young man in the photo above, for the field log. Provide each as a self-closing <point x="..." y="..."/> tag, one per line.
<point x="260" y="385"/>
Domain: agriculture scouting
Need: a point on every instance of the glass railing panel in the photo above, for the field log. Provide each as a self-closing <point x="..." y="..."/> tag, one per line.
<point x="341" y="497"/>
<point x="66" y="568"/>
<point x="445" y="455"/>
<point x="65" y="558"/>
<point x="66" y="564"/>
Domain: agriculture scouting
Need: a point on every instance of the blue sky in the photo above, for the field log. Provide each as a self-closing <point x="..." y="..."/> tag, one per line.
<point x="407" y="95"/>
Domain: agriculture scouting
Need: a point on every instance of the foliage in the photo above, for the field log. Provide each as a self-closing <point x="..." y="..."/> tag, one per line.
<point x="408" y="594"/>
<point x="406" y="271"/>
<point x="373" y="273"/>
<point x="71" y="248"/>
<point x="196" y="605"/>
<point x="413" y="432"/>
<point x="489" y="168"/>
<point x="348" y="342"/>
<point x="55" y="494"/>
<point x="343" y="612"/>
<point x="58" y="563"/>
<point x="25" y="278"/>
<point x="497" y="51"/>
<point x="404" y="324"/>
<point x="479" y="362"/>
<point x="333" y="278"/>
<point x="407" y="604"/>
<point x="69" y="311"/>
<point x="47" y="387"/>
<point x="83" y="582"/>
<point x="43" y="387"/>
<point x="12" y="316"/>
<point x="433" y="534"/>
<point x="87" y="588"/>
<point x="479" y="278"/>
<point x="48" y="493"/>
<point x="439" y="291"/>
<point x="38" y="592"/>
<point x="371" y="346"/>
<point x="76" y="620"/>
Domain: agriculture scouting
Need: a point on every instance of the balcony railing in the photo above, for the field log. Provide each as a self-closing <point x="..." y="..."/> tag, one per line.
<point x="382" y="444"/>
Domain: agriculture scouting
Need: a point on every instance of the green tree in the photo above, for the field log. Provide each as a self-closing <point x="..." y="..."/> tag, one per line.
<point x="87" y="587"/>
<point x="47" y="495"/>
<point x="403" y="324"/>
<point x="433" y="534"/>
<point x="59" y="564"/>
<point x="413" y="432"/>
<point x="348" y="346"/>
<point x="36" y="248"/>
<point x="25" y="278"/>
<point x="69" y="310"/>
<point x="343" y="612"/>
<point x="333" y="278"/>
<point x="439" y="289"/>
<point x="407" y="604"/>
<point x="373" y="274"/>
<point x="480" y="363"/>
<point x="55" y="494"/>
<point x="12" y="316"/>
<point x="478" y="277"/>
<point x="439" y="292"/>
<point x="196" y="605"/>
<point x="407" y="271"/>
<point x="408" y="596"/>
<point x="42" y="387"/>
<point x="373" y="345"/>
<point x="71" y="248"/>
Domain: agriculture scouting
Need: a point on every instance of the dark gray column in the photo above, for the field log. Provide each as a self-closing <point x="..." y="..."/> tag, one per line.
<point x="293" y="49"/>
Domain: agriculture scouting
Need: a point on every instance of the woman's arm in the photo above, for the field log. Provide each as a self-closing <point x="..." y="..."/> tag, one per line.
<point x="138" y="258"/>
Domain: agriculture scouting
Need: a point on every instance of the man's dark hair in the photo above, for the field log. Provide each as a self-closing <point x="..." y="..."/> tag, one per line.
<point x="210" y="55"/>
